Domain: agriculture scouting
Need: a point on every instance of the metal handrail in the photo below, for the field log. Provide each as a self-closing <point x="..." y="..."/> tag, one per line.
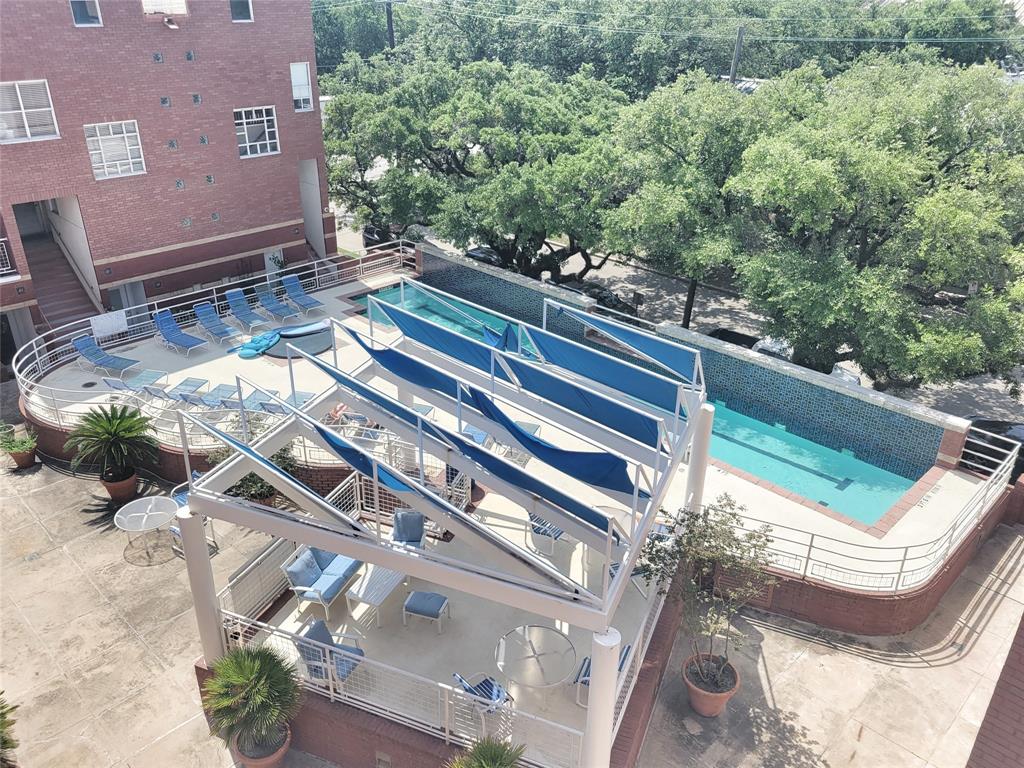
<point x="54" y="348"/>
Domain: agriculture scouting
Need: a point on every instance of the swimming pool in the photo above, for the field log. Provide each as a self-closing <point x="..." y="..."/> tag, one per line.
<point x="836" y="479"/>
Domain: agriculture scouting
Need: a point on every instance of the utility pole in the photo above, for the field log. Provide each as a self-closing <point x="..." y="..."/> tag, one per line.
<point x="735" y="54"/>
<point x="391" y="23"/>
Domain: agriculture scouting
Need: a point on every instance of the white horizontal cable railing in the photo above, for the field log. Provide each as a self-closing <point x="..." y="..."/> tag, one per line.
<point x="254" y="587"/>
<point x="882" y="569"/>
<point x="410" y="699"/>
<point x="63" y="408"/>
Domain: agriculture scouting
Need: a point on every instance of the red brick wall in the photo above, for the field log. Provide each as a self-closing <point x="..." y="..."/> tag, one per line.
<point x="107" y="73"/>
<point x="1000" y="742"/>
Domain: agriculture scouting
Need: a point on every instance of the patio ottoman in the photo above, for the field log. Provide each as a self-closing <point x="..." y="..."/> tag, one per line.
<point x="427" y="605"/>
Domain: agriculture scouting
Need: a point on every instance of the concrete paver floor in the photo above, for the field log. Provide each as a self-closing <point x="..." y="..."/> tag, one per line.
<point x="96" y="651"/>
<point x="812" y="697"/>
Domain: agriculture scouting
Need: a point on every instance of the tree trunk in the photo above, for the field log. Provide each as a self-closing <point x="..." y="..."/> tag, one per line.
<point x="691" y="295"/>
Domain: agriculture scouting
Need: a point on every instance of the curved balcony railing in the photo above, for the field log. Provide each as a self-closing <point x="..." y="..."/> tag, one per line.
<point x="63" y="408"/>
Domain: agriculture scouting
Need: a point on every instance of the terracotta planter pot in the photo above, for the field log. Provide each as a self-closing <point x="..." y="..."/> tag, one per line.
<point x="23" y="459"/>
<point x="708" y="703"/>
<point x="123" y="490"/>
<point x="270" y="761"/>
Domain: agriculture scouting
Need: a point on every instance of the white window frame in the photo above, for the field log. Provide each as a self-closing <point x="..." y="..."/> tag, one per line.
<point x="21" y="104"/>
<point x="165" y="7"/>
<point x="308" y="86"/>
<point x="108" y="176"/>
<point x="99" y="14"/>
<point x="277" y="130"/>
<point x="250" y="20"/>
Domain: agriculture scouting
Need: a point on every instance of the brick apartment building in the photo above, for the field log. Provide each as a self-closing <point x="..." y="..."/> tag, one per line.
<point x="153" y="146"/>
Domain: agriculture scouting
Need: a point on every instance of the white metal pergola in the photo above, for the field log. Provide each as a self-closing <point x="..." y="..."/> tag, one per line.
<point x="513" y="576"/>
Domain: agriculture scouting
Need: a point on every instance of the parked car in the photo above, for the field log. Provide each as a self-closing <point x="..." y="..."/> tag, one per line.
<point x="845" y="374"/>
<point x="1008" y="429"/>
<point x="607" y="298"/>
<point x="778" y="348"/>
<point x="484" y="254"/>
<point x="374" y="236"/>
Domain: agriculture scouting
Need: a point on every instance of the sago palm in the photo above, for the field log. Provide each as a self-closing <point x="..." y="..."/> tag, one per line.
<point x="7" y="741"/>
<point x="252" y="695"/>
<point x="489" y="753"/>
<point x="117" y="438"/>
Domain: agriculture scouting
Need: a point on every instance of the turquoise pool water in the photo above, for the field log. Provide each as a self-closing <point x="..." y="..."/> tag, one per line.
<point x="838" y="480"/>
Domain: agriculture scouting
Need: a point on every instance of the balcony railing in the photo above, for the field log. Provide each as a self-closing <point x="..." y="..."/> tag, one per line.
<point x="6" y="262"/>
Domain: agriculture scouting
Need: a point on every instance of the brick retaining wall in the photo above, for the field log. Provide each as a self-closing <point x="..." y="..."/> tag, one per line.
<point x="1000" y="742"/>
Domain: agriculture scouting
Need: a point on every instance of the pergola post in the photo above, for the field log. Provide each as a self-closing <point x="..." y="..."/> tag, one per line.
<point x="697" y="468"/>
<point x="604" y="675"/>
<point x="200" y="580"/>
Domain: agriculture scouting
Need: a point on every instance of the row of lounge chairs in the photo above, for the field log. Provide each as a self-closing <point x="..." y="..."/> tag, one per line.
<point x="188" y="393"/>
<point x="209" y="322"/>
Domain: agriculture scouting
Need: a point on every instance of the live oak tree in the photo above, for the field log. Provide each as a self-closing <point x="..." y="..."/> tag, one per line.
<point x="883" y="219"/>
<point x="486" y="153"/>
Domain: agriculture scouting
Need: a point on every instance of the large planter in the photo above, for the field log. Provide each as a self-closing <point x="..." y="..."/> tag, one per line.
<point x="121" y="491"/>
<point x="270" y="761"/>
<point x="708" y="703"/>
<point x="23" y="459"/>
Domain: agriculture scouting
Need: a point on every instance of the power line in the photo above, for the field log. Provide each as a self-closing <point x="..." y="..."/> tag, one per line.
<point x="524" y="20"/>
<point x="512" y="7"/>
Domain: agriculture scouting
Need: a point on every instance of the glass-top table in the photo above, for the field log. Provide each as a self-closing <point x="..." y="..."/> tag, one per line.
<point x="536" y="656"/>
<point x="144" y="515"/>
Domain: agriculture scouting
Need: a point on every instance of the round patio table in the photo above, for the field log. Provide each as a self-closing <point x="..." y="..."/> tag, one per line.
<point x="536" y="656"/>
<point x="144" y="515"/>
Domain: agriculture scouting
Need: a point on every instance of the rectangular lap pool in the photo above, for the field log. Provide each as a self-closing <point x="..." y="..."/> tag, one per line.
<point x="838" y="480"/>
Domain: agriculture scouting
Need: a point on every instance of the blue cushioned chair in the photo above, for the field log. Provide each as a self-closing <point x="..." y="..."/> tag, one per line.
<point x="546" y="530"/>
<point x="242" y="312"/>
<point x="426" y="605"/>
<point x="324" y="657"/>
<point x="489" y="693"/>
<point x="91" y="352"/>
<point x="582" y="679"/>
<point x="172" y="336"/>
<point x="265" y="296"/>
<point x="211" y="323"/>
<point x="298" y="296"/>
<point x="317" y="575"/>
<point x="408" y="528"/>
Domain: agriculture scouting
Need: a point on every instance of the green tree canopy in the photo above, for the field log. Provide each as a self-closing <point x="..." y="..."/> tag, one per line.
<point x="882" y="220"/>
<point x="484" y="152"/>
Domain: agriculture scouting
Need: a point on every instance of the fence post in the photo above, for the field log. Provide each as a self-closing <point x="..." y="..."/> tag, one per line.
<point x="899" y="574"/>
<point x="446" y="705"/>
<point x="807" y="557"/>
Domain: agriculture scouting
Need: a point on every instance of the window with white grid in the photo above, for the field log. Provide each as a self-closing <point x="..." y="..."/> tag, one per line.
<point x="302" y="91"/>
<point x="256" y="131"/>
<point x="115" y="149"/>
<point x="26" y="112"/>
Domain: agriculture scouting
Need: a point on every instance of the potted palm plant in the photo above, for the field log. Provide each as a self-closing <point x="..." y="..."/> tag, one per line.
<point x="716" y="565"/>
<point x="117" y="438"/>
<point x="489" y="753"/>
<point x="250" y="698"/>
<point x="21" y="448"/>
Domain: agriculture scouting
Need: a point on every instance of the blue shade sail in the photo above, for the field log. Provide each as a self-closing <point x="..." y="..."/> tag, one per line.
<point x="598" y="468"/>
<point x="617" y="374"/>
<point x="671" y="356"/>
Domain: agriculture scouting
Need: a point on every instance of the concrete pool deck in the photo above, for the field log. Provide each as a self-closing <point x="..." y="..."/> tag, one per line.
<point x="921" y="522"/>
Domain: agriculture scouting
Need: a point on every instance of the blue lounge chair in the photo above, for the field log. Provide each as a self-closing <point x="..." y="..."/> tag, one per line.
<point x="319" y="576"/>
<point x="252" y="402"/>
<point x="269" y="302"/>
<point x="478" y="436"/>
<point x="543" y="528"/>
<point x="297" y="400"/>
<point x="212" y="399"/>
<point x="90" y="351"/>
<point x="242" y="312"/>
<point x="211" y="323"/>
<point x="298" y="296"/>
<point x="487" y="688"/>
<point x="137" y="383"/>
<point x="582" y="679"/>
<point x="173" y="336"/>
<point x="327" y="658"/>
<point x="178" y="391"/>
<point x="638" y="578"/>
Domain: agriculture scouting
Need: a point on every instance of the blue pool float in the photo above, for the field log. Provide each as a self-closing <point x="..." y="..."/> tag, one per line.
<point x="257" y="345"/>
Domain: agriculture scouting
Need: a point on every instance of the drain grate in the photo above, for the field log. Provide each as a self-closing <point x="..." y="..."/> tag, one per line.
<point x="89" y="384"/>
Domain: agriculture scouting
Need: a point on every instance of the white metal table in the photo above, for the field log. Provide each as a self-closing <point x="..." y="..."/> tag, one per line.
<point x="536" y="656"/>
<point x="373" y="588"/>
<point x="144" y="515"/>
